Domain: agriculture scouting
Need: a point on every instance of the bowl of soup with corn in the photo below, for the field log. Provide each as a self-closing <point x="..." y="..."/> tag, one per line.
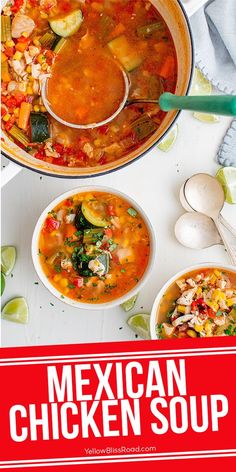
<point x="199" y="301"/>
<point x="81" y="50"/>
<point x="93" y="247"/>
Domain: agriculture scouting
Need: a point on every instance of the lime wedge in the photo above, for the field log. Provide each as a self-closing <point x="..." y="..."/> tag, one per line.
<point x="227" y="178"/>
<point x="2" y="283"/>
<point x="205" y="118"/>
<point x="16" y="310"/>
<point x="140" y="324"/>
<point x="200" y="85"/>
<point x="169" y="140"/>
<point x="8" y="259"/>
<point x="129" y="304"/>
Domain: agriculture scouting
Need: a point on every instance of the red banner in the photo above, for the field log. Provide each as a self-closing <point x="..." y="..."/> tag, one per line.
<point x="116" y="405"/>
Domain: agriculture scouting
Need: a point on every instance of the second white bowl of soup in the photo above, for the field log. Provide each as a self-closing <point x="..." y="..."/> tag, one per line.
<point x="199" y="301"/>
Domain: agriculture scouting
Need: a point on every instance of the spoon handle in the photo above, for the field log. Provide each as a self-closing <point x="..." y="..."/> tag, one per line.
<point x="227" y="225"/>
<point x="228" y="247"/>
<point x="219" y="104"/>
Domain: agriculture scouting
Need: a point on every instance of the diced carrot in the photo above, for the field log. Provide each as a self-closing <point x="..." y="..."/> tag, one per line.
<point x="167" y="68"/>
<point x="70" y="230"/>
<point x="24" y="115"/>
<point x="119" y="29"/>
<point x="21" y="46"/>
<point x="3" y="57"/>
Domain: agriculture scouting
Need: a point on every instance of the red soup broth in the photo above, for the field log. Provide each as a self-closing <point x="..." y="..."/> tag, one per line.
<point x="94" y="264"/>
<point x="86" y="84"/>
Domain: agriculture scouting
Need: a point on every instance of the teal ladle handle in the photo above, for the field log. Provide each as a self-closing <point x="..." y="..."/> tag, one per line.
<point x="219" y="104"/>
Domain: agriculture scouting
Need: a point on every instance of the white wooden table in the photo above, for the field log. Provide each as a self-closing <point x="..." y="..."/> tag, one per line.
<point x="154" y="181"/>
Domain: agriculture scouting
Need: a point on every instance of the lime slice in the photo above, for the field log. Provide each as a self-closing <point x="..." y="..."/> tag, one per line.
<point x="227" y="178"/>
<point x="205" y="118"/>
<point x="2" y="283"/>
<point x="8" y="259"/>
<point x="169" y="140"/>
<point x="129" y="304"/>
<point x="200" y="85"/>
<point x="140" y="324"/>
<point x="16" y="310"/>
<point x="68" y="25"/>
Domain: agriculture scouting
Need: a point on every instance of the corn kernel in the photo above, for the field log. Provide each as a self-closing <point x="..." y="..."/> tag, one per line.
<point x="41" y="58"/>
<point x="6" y="117"/>
<point x="199" y="290"/>
<point x="97" y="142"/>
<point x="44" y="66"/>
<point x="70" y="250"/>
<point x="57" y="277"/>
<point x="3" y="57"/>
<point x="217" y="273"/>
<point x="43" y="14"/>
<point x="36" y="108"/>
<point x="229" y="302"/>
<point x="212" y="304"/>
<point x="36" y="42"/>
<point x="17" y="56"/>
<point x="198" y="328"/>
<point x="191" y="333"/>
<point x="10" y="44"/>
<point x="42" y="108"/>
<point x="53" y="233"/>
<point x="63" y="282"/>
<point x="216" y="294"/>
<point x="16" y="112"/>
<point x="28" y="69"/>
<point x="25" y="34"/>
<point x="181" y="308"/>
<point x="30" y="78"/>
<point x="29" y="90"/>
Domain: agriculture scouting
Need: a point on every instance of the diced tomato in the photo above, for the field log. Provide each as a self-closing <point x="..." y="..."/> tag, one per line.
<point x="108" y="233"/>
<point x="111" y="210"/>
<point x="78" y="282"/>
<point x="11" y="102"/>
<point x="17" y="5"/>
<point x="68" y="151"/>
<point x="103" y="129"/>
<point x="19" y="97"/>
<point x="51" y="224"/>
<point x="10" y="123"/>
<point x="3" y="99"/>
<point x="22" y="39"/>
<point x="102" y="160"/>
<point x="59" y="161"/>
<point x="40" y="154"/>
<point x="211" y="313"/>
<point x="3" y="111"/>
<point x="49" y="56"/>
<point x="68" y="202"/>
<point x="9" y="52"/>
<point x="81" y="156"/>
<point x="58" y="148"/>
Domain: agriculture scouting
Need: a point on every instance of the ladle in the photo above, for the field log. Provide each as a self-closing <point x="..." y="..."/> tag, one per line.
<point x="187" y="207"/>
<point x="219" y="104"/>
<point x="205" y="195"/>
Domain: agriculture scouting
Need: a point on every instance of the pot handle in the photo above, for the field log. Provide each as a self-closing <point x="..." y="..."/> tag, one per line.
<point x="191" y="6"/>
<point x="9" y="172"/>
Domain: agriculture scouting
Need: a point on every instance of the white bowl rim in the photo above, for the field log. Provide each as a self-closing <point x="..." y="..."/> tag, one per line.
<point x="172" y="279"/>
<point x="83" y="305"/>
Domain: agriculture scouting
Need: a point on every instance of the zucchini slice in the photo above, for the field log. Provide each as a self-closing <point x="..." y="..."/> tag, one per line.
<point x="95" y="213"/>
<point x="39" y="127"/>
<point x="18" y="134"/>
<point x="68" y="25"/>
<point x="59" y="45"/>
<point x="124" y="52"/>
<point x="93" y="235"/>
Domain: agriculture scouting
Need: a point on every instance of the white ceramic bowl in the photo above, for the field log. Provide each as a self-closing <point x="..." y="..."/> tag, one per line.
<point x="70" y="301"/>
<point x="206" y="265"/>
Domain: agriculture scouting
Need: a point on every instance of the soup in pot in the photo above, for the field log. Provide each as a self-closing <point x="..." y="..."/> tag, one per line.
<point x="81" y="47"/>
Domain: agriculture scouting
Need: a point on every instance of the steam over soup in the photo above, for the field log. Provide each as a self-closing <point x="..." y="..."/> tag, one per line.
<point x="94" y="247"/>
<point x="80" y="45"/>
<point x="201" y="303"/>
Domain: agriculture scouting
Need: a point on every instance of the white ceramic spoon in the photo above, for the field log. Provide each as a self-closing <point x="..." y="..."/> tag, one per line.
<point x="187" y="207"/>
<point x="196" y="231"/>
<point x="204" y="194"/>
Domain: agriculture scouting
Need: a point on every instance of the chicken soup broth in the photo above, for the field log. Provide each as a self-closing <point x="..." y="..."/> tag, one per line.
<point x="94" y="247"/>
<point x="201" y="303"/>
<point x="80" y="47"/>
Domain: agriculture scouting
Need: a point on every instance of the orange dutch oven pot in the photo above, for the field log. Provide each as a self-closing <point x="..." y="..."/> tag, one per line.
<point x="177" y="21"/>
